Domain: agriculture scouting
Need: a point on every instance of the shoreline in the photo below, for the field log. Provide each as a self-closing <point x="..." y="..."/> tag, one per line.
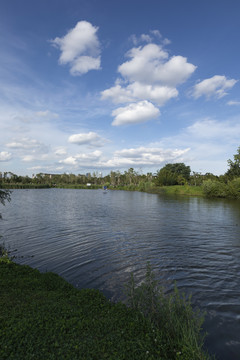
<point x="43" y="316"/>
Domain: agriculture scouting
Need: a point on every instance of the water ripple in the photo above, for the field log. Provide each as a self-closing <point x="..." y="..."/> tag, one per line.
<point x="97" y="241"/>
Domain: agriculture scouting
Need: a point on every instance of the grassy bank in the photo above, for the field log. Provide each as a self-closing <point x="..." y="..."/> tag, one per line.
<point x="144" y="187"/>
<point x="183" y="190"/>
<point x="78" y="186"/>
<point x="24" y="186"/>
<point x="169" y="190"/>
<point x="44" y="317"/>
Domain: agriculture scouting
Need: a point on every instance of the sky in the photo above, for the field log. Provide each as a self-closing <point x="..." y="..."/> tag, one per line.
<point x="107" y="85"/>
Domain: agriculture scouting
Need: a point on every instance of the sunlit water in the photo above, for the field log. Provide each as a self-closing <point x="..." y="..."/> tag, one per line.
<point x="96" y="240"/>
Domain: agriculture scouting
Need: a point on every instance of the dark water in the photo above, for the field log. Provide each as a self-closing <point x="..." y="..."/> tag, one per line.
<point x="96" y="240"/>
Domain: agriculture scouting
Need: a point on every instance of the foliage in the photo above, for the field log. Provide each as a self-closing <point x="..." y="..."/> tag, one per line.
<point x="183" y="190"/>
<point x="4" y="196"/>
<point x="44" y="317"/>
<point x="173" y="174"/>
<point x="212" y="188"/>
<point x="166" y="178"/>
<point x="173" y="315"/>
<point x="234" y="166"/>
<point x="4" y="255"/>
<point x="222" y="190"/>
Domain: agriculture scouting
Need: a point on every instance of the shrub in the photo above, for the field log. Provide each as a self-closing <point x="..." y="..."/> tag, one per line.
<point x="173" y="315"/>
<point x="212" y="188"/>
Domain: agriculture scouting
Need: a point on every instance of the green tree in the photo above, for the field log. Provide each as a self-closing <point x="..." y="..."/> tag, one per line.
<point x="173" y="174"/>
<point x="234" y="166"/>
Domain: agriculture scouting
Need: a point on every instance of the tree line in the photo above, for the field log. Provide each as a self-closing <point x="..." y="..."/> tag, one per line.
<point x="226" y="185"/>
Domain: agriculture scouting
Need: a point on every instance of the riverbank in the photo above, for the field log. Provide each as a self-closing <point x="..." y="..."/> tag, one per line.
<point x="44" y="317"/>
<point x="148" y="187"/>
<point x="168" y="190"/>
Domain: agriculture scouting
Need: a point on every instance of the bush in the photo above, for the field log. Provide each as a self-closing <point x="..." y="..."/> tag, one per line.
<point x="212" y="188"/>
<point x="219" y="189"/>
<point x="233" y="188"/>
<point x="180" y="326"/>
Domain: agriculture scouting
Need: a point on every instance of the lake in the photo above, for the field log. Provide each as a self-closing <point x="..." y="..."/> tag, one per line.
<point x="96" y="240"/>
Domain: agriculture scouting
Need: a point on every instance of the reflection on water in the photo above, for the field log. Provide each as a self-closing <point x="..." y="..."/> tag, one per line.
<point x="95" y="240"/>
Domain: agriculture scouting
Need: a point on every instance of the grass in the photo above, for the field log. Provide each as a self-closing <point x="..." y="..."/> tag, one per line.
<point x="24" y="186"/>
<point x="44" y="317"/>
<point x="183" y="190"/>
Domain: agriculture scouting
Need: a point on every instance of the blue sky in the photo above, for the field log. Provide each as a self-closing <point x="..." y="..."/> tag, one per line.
<point x="108" y="85"/>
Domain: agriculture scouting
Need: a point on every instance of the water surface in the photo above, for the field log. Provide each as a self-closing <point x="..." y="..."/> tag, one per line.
<point x="96" y="240"/>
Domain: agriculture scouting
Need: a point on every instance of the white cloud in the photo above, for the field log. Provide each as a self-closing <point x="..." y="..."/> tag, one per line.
<point x="149" y="76"/>
<point x="209" y="129"/>
<point x="80" y="48"/>
<point x="28" y="158"/>
<point x="139" y="91"/>
<point x="91" y="139"/>
<point x="5" y="156"/>
<point x="135" y="113"/>
<point x="27" y="143"/>
<point x="211" y="142"/>
<point x="232" y="103"/>
<point x="146" y="38"/>
<point x="33" y="168"/>
<point x="145" y="156"/>
<point x="215" y="86"/>
<point x="118" y="94"/>
<point x="60" y="152"/>
<point x="157" y="94"/>
<point x="95" y="155"/>
<point x="52" y="169"/>
<point x="149" y="64"/>
<point x="154" y="35"/>
<point x="34" y="157"/>
<point x="85" y="63"/>
<point x="69" y="161"/>
<point x="83" y="159"/>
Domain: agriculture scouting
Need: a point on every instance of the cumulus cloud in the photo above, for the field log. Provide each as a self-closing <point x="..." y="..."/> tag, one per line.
<point x="149" y="75"/>
<point x="80" y="48"/>
<point x="158" y="94"/>
<point x="145" y="156"/>
<point x="27" y="143"/>
<point x="135" y="113"/>
<point x="91" y="139"/>
<point x="69" y="161"/>
<point x="150" y="64"/>
<point x="95" y="155"/>
<point x="85" y="63"/>
<point x="5" y="156"/>
<point x="138" y="91"/>
<point x="83" y="159"/>
<point x="215" y="86"/>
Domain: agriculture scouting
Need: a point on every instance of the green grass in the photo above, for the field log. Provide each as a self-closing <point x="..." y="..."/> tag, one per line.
<point x="78" y="186"/>
<point x="183" y="190"/>
<point x="44" y="317"/>
<point x="24" y="186"/>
